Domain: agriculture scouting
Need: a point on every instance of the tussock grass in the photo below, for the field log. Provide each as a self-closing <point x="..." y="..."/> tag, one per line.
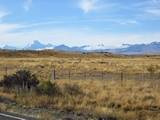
<point x="43" y="67"/>
<point x="129" y="101"/>
<point x="126" y="100"/>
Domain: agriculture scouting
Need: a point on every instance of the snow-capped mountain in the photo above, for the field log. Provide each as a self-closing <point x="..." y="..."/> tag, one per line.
<point x="151" y="48"/>
<point x="8" y="47"/>
<point x="70" y="49"/>
<point x="36" y="45"/>
<point x="95" y="47"/>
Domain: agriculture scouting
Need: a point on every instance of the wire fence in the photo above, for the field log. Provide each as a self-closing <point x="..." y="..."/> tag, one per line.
<point x="101" y="75"/>
<point x="66" y="74"/>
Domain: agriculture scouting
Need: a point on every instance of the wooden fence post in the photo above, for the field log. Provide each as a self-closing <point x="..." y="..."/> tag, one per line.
<point x="6" y="71"/>
<point x="53" y="74"/>
<point x="122" y="77"/>
<point x="69" y="75"/>
<point x="102" y="75"/>
<point x="85" y="75"/>
<point x="142" y="76"/>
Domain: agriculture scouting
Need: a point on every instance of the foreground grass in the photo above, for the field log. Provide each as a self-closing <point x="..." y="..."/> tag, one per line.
<point x="127" y="100"/>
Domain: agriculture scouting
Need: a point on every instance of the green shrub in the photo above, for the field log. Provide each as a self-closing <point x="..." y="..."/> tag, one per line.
<point x="48" y="88"/>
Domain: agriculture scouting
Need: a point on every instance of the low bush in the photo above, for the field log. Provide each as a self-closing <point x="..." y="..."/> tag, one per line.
<point x="48" y="88"/>
<point x="1" y="84"/>
<point x="72" y="89"/>
<point x="152" y="69"/>
<point x="21" y="79"/>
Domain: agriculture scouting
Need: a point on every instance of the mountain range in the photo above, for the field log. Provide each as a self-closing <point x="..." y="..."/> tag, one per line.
<point x="151" y="48"/>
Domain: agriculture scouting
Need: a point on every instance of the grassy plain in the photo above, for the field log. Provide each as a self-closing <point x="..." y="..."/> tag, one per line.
<point x="43" y="63"/>
<point x="124" y="100"/>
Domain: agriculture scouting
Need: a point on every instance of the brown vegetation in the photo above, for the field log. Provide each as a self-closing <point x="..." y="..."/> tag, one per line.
<point x="124" y="100"/>
<point x="132" y="100"/>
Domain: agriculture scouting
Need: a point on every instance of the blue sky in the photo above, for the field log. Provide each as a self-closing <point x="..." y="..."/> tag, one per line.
<point x="79" y="22"/>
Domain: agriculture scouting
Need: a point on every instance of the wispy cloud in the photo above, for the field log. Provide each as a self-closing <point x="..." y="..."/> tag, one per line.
<point x="155" y="12"/>
<point x="6" y="27"/>
<point x="112" y="16"/>
<point x="3" y="13"/>
<point x="156" y="1"/>
<point x="127" y="22"/>
<point x="81" y="21"/>
<point x="153" y="8"/>
<point x="88" y="5"/>
<point x="27" y="4"/>
<point x="149" y="8"/>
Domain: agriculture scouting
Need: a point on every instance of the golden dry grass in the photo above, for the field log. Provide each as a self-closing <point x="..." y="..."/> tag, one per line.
<point x="130" y="100"/>
<point x="43" y="66"/>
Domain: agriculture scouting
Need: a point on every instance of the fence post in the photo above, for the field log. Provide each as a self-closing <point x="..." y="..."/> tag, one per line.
<point x="142" y="76"/>
<point x="6" y="71"/>
<point x="53" y="74"/>
<point x="85" y="75"/>
<point x="102" y="75"/>
<point x="69" y="75"/>
<point x="122" y="75"/>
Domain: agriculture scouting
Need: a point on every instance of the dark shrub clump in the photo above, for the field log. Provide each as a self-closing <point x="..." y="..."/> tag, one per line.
<point x="23" y="79"/>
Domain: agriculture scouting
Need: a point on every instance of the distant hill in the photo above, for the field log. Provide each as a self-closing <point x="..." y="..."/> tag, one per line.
<point x="36" y="45"/>
<point x="70" y="49"/>
<point x="151" y="48"/>
<point x="7" y="47"/>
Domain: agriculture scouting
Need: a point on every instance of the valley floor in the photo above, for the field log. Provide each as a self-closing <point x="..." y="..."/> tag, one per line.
<point x="84" y="99"/>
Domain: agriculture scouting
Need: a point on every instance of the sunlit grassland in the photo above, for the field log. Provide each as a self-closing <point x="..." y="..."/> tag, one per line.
<point x="129" y="100"/>
<point x="43" y="67"/>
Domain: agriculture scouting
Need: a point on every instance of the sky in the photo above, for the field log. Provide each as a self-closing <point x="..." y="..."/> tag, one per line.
<point x="79" y="22"/>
